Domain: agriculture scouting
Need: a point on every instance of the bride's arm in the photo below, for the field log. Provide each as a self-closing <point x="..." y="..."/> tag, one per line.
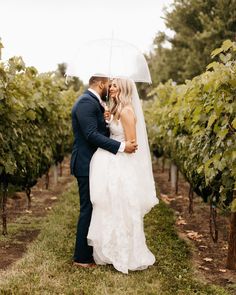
<point x="128" y="122"/>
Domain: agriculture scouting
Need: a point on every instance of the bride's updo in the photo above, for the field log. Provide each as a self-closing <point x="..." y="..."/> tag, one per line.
<point x="123" y="97"/>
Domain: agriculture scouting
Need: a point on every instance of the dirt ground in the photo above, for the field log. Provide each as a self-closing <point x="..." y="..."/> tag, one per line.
<point x="13" y="247"/>
<point x="209" y="258"/>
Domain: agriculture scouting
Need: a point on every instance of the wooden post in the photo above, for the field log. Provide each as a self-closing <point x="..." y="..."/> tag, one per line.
<point x="177" y="182"/>
<point x="163" y="165"/>
<point x="55" y="174"/>
<point x="190" y="196"/>
<point x="3" y="207"/>
<point x="231" y="259"/>
<point x="173" y="175"/>
<point x="213" y="222"/>
<point x="61" y="169"/>
<point x="169" y="173"/>
<point x="28" y="194"/>
<point x="47" y="180"/>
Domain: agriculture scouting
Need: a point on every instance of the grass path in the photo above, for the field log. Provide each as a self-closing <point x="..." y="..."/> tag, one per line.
<point x="46" y="267"/>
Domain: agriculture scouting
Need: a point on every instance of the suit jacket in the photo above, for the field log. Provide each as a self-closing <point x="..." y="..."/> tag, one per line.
<point x="90" y="132"/>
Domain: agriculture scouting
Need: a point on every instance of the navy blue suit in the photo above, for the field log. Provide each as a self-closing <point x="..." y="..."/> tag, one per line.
<point x="90" y="132"/>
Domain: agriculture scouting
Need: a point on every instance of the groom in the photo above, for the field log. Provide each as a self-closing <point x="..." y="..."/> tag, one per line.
<point x="90" y="132"/>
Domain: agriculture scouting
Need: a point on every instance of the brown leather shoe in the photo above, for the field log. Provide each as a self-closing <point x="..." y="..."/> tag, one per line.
<point x="84" y="265"/>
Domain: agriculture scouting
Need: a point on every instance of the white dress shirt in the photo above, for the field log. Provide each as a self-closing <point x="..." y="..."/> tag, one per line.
<point x="122" y="144"/>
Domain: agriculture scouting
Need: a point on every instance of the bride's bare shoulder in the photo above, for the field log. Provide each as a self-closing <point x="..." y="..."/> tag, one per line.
<point x="127" y="112"/>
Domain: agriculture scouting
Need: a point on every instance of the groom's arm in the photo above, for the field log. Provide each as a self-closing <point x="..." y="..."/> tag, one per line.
<point x="87" y="113"/>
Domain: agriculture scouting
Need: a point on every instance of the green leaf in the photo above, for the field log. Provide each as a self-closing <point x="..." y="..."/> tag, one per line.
<point x="196" y="113"/>
<point x="233" y="82"/>
<point x="212" y="65"/>
<point x="227" y="44"/>
<point x="211" y="120"/>
<point x="225" y="58"/>
<point x="31" y="115"/>
<point x="222" y="134"/>
<point x="233" y="206"/>
<point x="209" y="108"/>
<point x="234" y="123"/>
<point x="200" y="169"/>
<point x="216" y="52"/>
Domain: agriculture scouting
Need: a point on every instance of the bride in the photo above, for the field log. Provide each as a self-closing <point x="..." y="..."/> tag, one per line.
<point x="122" y="187"/>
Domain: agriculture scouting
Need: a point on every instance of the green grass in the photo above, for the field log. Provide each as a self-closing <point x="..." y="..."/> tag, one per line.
<point x="46" y="267"/>
<point x="20" y="225"/>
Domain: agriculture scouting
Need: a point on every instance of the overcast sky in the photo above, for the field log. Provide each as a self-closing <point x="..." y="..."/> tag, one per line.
<point x="48" y="32"/>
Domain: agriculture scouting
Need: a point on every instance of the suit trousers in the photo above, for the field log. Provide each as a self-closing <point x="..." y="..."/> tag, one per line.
<point x="83" y="252"/>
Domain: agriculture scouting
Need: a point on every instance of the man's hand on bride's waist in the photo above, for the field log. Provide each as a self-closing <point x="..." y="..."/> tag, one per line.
<point x="130" y="146"/>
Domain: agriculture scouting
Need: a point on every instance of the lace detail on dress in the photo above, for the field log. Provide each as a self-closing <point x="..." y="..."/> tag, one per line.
<point x="116" y="130"/>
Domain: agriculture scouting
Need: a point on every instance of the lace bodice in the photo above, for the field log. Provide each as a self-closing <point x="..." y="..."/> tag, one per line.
<point x="116" y="130"/>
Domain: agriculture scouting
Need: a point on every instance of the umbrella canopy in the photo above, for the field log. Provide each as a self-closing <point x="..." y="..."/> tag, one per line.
<point x="109" y="58"/>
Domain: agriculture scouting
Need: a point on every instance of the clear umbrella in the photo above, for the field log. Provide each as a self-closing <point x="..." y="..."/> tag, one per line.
<point x="111" y="58"/>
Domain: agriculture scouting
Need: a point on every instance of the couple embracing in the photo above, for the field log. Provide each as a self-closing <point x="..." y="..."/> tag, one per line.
<point x="112" y="164"/>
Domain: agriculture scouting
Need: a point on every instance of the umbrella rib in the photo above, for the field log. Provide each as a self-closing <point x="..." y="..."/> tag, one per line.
<point x="109" y="68"/>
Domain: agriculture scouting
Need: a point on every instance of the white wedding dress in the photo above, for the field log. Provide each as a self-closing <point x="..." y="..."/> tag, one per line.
<point x="120" y="193"/>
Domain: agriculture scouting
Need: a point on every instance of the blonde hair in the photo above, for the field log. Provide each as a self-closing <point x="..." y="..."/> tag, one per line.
<point x="124" y="97"/>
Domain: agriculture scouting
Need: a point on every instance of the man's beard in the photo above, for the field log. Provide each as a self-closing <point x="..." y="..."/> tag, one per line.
<point x="104" y="94"/>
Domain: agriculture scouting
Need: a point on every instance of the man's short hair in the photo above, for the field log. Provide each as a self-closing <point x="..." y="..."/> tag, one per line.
<point x="94" y="79"/>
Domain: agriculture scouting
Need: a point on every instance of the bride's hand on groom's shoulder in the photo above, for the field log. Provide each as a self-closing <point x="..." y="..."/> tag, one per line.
<point x="130" y="146"/>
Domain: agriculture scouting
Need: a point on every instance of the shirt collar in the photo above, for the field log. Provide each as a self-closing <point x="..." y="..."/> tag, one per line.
<point x="96" y="94"/>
